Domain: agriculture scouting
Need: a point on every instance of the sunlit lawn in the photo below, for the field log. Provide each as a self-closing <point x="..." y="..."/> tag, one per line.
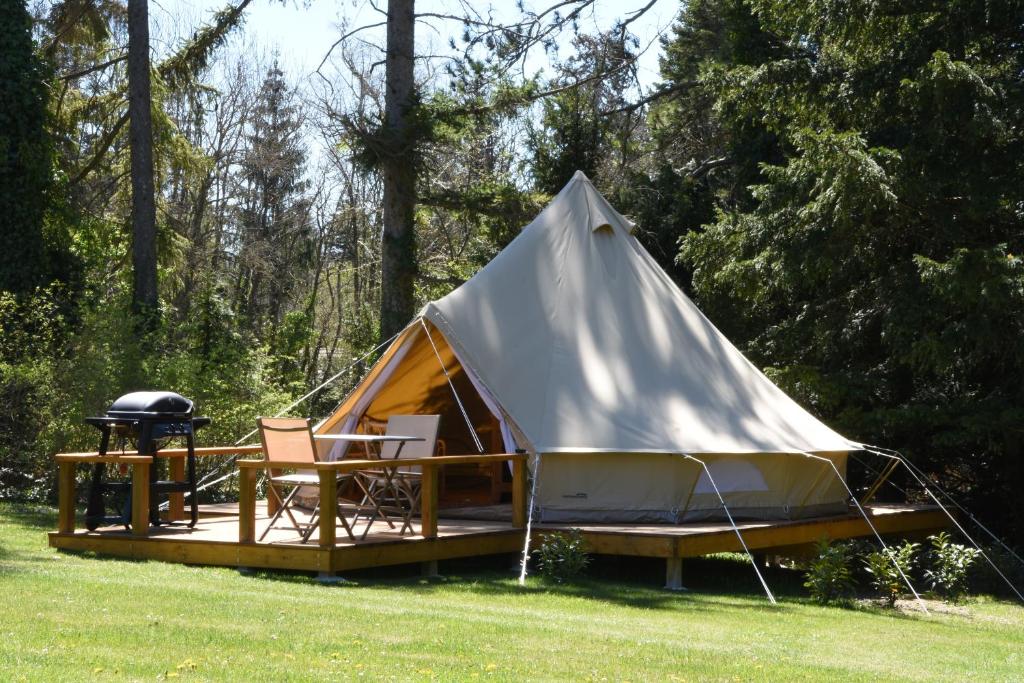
<point x="75" y="617"/>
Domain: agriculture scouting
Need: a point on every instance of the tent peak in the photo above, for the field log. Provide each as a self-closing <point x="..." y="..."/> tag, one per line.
<point x="601" y="214"/>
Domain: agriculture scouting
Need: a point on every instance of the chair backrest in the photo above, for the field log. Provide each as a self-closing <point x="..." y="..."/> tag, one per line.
<point x="287" y="440"/>
<point x="424" y="426"/>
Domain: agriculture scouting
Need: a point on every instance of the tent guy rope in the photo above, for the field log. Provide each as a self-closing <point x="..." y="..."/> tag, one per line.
<point x="953" y="501"/>
<point x="529" y="520"/>
<point x="953" y="519"/>
<point x="206" y="483"/>
<point x="735" y="528"/>
<point x="462" y="409"/>
<point x="864" y="514"/>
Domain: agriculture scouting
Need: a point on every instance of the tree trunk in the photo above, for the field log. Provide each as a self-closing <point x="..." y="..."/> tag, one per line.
<point x="144" y="292"/>
<point x="398" y="172"/>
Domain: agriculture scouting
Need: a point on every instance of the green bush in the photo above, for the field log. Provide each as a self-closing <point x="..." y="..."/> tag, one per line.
<point x="829" y="577"/>
<point x="950" y="564"/>
<point x="562" y="556"/>
<point x="884" y="568"/>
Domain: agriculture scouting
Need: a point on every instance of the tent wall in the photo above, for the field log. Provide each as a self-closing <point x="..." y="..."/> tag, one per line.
<point x="637" y="487"/>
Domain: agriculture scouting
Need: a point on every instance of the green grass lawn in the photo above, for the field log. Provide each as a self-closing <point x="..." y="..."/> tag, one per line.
<point x="76" y="617"/>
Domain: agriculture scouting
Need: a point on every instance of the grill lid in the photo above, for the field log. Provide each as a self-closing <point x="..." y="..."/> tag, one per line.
<point x="150" y="404"/>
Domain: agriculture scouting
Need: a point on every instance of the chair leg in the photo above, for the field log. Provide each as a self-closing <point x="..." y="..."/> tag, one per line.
<point x="345" y="524"/>
<point x="370" y="492"/>
<point x="413" y="494"/>
<point x="314" y="522"/>
<point x="277" y="515"/>
<point x="282" y="510"/>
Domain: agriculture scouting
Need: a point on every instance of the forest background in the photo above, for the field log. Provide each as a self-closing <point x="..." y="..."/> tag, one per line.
<point x="838" y="184"/>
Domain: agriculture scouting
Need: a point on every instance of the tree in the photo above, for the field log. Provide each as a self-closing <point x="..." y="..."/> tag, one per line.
<point x="876" y="265"/>
<point x="273" y="212"/>
<point x="576" y="131"/>
<point x="393" y="147"/>
<point x="25" y="152"/>
<point x="145" y="298"/>
<point x="398" y="172"/>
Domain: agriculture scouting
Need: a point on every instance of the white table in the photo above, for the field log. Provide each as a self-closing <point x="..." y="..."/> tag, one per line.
<point x="367" y="439"/>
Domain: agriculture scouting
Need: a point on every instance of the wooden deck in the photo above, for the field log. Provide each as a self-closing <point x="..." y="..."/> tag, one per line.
<point x="227" y="535"/>
<point x="214" y="541"/>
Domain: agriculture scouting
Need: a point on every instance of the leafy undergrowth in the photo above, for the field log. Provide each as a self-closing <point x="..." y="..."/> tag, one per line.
<point x="76" y="617"/>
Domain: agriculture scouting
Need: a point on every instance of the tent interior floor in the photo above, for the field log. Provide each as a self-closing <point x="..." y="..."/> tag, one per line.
<point x="484" y="530"/>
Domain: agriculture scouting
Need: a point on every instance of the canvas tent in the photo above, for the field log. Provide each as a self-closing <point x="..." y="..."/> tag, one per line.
<point x="576" y="346"/>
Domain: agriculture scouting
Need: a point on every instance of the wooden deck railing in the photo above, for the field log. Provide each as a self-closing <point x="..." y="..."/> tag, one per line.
<point x="329" y="471"/>
<point x="140" y="465"/>
<point x="249" y="469"/>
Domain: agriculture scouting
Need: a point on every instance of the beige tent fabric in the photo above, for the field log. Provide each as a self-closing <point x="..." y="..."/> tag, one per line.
<point x="640" y="487"/>
<point x="589" y="347"/>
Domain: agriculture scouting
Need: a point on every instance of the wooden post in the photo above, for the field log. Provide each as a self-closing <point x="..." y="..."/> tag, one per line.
<point x="176" y="507"/>
<point x="428" y="502"/>
<point x="674" y="573"/>
<point x="246" y="505"/>
<point x="140" y="498"/>
<point x="272" y="502"/>
<point x="66" y="497"/>
<point x="519" y="500"/>
<point x="328" y="507"/>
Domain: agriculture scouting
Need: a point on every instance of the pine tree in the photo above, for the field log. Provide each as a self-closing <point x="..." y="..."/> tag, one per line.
<point x="273" y="218"/>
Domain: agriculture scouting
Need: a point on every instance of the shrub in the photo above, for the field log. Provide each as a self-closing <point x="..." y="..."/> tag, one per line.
<point x="562" y="556"/>
<point x="884" y="568"/>
<point x="949" y="566"/>
<point x="829" y="577"/>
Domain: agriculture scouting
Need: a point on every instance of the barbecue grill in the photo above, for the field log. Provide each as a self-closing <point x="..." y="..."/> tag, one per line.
<point x="149" y="419"/>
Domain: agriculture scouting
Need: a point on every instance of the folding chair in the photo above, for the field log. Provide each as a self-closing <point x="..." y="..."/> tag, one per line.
<point x="288" y="444"/>
<point x="399" y="489"/>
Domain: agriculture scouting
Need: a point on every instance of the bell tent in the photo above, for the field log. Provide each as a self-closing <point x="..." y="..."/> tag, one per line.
<point x="574" y="345"/>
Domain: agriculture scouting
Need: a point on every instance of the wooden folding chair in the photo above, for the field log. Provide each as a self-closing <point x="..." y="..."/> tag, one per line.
<point x="399" y="490"/>
<point x="288" y="444"/>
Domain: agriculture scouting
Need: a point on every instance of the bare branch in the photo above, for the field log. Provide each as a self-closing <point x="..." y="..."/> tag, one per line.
<point x="101" y="149"/>
<point x="656" y="95"/>
<point x="92" y="69"/>
<point x="345" y="37"/>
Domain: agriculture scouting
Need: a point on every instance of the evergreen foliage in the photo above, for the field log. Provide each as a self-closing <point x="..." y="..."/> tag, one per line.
<point x="25" y="152"/>
<point x="872" y="260"/>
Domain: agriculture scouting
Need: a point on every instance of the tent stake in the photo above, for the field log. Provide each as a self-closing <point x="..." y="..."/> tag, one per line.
<point x="735" y="528"/>
<point x="900" y="459"/>
<point x="863" y="514"/>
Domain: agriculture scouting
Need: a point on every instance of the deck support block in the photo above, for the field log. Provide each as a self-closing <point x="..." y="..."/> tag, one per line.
<point x="674" y="574"/>
<point x="329" y="578"/>
<point x="429" y="569"/>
